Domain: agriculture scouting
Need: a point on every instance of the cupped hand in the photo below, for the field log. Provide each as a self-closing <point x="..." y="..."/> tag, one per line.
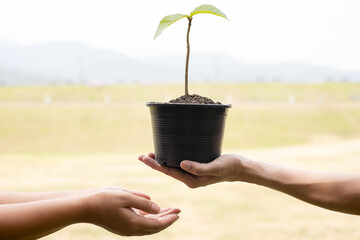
<point x="194" y="174"/>
<point x="129" y="213"/>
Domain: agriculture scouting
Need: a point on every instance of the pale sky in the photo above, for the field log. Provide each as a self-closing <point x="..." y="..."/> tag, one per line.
<point x="322" y="32"/>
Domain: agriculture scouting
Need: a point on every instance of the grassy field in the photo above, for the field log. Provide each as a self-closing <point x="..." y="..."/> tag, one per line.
<point x="258" y="92"/>
<point x="80" y="141"/>
<point x="78" y="120"/>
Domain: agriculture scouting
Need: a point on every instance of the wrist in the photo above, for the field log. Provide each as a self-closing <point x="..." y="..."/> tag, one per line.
<point x="85" y="205"/>
<point x="89" y="201"/>
<point x="248" y="170"/>
<point x="92" y="203"/>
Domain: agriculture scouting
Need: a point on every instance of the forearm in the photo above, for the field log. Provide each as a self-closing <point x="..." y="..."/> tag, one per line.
<point x="36" y="219"/>
<point x="9" y="197"/>
<point x="335" y="191"/>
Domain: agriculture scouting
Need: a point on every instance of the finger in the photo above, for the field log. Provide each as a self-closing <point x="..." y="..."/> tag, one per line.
<point x="154" y="164"/>
<point x="169" y="211"/>
<point x="150" y="162"/>
<point x="154" y="225"/>
<point x="172" y="172"/>
<point x="139" y="212"/>
<point x="199" y="169"/>
<point x="141" y="203"/>
<point x="144" y="195"/>
<point x="152" y="155"/>
<point x="166" y="221"/>
<point x="190" y="180"/>
<point x="163" y="212"/>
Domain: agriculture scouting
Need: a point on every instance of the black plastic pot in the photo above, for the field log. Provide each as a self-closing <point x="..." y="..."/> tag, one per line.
<point x="187" y="132"/>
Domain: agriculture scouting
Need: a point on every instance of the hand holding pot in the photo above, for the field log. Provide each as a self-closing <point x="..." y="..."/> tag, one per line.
<point x="336" y="191"/>
<point x="227" y="167"/>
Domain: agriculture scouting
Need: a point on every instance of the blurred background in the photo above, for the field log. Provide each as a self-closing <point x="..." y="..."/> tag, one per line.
<point x="75" y="77"/>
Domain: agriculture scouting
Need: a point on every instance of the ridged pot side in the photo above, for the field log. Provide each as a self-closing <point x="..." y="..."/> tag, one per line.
<point x="187" y="132"/>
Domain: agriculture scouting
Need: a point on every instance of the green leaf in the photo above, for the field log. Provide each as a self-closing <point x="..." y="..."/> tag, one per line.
<point x="206" y="8"/>
<point x="167" y="21"/>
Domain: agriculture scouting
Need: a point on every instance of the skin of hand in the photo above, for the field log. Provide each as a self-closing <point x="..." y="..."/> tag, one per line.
<point x="194" y="174"/>
<point x="119" y="211"/>
<point x="331" y="190"/>
<point x="129" y="214"/>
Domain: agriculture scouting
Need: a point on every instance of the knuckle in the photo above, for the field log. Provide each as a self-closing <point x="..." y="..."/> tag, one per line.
<point x="194" y="169"/>
<point x="102" y="194"/>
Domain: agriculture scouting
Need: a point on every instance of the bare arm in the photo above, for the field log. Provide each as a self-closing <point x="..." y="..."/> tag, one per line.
<point x="334" y="191"/>
<point x="125" y="213"/>
<point x="37" y="219"/>
<point x="9" y="197"/>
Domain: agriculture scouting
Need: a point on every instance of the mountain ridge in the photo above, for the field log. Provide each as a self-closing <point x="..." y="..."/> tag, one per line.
<point x="77" y="63"/>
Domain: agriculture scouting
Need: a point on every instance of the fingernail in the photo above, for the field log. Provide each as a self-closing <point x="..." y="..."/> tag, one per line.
<point x="155" y="208"/>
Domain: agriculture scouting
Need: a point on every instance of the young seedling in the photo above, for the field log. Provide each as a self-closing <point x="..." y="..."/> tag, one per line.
<point x="170" y="19"/>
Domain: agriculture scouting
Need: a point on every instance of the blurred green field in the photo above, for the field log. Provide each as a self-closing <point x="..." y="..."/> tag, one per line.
<point x="253" y="92"/>
<point x="90" y="136"/>
<point x="79" y="121"/>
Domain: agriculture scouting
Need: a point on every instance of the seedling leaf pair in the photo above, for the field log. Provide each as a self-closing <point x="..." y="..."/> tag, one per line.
<point x="170" y="19"/>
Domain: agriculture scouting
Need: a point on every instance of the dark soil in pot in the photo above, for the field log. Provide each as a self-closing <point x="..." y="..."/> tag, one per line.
<point x="193" y="99"/>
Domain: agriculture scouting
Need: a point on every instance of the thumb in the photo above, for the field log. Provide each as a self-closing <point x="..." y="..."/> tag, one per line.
<point x="142" y="203"/>
<point x="199" y="169"/>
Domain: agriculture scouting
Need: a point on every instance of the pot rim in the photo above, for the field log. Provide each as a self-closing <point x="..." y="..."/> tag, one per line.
<point x="188" y="105"/>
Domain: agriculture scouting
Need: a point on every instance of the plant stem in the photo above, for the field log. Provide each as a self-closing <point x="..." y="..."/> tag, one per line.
<point x="187" y="58"/>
